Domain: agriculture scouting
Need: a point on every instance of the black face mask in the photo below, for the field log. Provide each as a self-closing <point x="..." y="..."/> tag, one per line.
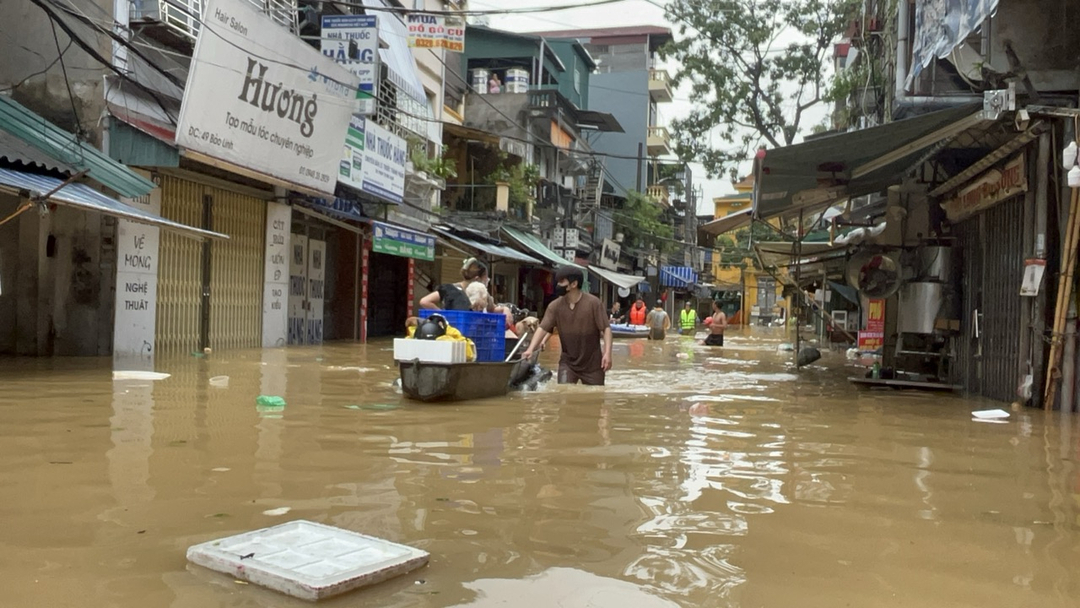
<point x="560" y="290"/>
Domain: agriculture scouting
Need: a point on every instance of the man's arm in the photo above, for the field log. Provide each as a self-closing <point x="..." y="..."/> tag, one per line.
<point x="605" y="361"/>
<point x="538" y="337"/>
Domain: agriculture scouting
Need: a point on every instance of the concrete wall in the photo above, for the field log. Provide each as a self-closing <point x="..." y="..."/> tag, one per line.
<point x="1044" y="35"/>
<point x="429" y="63"/>
<point x="28" y="48"/>
<point x="57" y="269"/>
<point x="58" y="281"/>
<point x="626" y="96"/>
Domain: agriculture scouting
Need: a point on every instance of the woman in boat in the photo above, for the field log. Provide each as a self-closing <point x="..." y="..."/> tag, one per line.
<point x="451" y="296"/>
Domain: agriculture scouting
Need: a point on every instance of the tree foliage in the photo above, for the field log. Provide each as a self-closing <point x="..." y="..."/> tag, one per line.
<point x="734" y="248"/>
<point x="755" y="67"/>
<point x="642" y="223"/>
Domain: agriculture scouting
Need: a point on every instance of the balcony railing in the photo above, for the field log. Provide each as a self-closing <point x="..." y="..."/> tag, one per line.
<point x="184" y="17"/>
<point x="659" y="194"/>
<point x="660" y="86"/>
<point x="658" y="141"/>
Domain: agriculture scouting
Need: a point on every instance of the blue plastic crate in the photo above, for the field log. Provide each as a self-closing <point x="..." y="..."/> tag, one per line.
<point x="486" y="330"/>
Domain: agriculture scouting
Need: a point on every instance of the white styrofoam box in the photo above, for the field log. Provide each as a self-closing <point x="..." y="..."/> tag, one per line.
<point x="429" y="351"/>
<point x="307" y="560"/>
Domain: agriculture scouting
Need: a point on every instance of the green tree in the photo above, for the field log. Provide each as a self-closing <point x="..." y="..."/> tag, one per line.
<point x="756" y="66"/>
<point x="736" y="247"/>
<point x="642" y="223"/>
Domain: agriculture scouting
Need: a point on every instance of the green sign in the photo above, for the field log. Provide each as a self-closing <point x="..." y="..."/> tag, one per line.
<point x="402" y="242"/>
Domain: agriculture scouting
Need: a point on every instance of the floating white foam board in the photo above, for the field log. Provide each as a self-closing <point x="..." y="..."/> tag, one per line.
<point x="307" y="560"/>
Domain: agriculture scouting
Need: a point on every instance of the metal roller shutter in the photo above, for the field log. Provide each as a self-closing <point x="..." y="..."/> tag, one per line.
<point x="179" y="296"/>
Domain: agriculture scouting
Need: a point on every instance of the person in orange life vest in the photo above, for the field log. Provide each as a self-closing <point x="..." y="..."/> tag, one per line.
<point x="638" y="312"/>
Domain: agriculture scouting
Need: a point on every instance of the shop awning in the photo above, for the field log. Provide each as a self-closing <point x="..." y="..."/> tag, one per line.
<point x="498" y="251"/>
<point x="627" y="281"/>
<point x="85" y="197"/>
<point x="534" y="245"/>
<point x="823" y="171"/>
<point x="57" y="143"/>
<point x="780" y="253"/>
<point x="677" y="276"/>
<point x="731" y="221"/>
<point x="398" y="58"/>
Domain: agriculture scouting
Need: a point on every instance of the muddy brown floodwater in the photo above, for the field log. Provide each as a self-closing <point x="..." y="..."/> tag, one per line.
<point x="697" y="477"/>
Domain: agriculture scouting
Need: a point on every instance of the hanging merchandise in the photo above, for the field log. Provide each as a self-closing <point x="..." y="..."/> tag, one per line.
<point x="1074" y="177"/>
<point x="1068" y="155"/>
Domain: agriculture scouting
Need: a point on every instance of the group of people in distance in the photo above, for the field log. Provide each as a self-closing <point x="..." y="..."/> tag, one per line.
<point x="584" y="327"/>
<point x="658" y="321"/>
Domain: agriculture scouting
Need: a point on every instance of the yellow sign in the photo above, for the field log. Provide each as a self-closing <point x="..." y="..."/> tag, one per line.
<point x="560" y="137"/>
<point x="987" y="190"/>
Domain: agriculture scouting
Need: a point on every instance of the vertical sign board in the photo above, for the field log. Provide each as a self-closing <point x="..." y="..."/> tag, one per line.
<point x="136" y="286"/>
<point x="353" y="41"/>
<point x="316" y="278"/>
<point x="276" y="281"/>
<point x="261" y="98"/>
<point x="873" y="337"/>
<point x="297" y="289"/>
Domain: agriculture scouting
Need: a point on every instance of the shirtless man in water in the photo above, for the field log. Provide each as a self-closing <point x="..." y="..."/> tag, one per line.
<point x="716" y="328"/>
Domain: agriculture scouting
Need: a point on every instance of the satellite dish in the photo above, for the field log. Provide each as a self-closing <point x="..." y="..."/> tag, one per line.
<point x="624" y="292"/>
<point x="875" y="275"/>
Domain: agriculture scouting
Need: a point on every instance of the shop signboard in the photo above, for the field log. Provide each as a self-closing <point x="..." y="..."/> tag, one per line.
<point x="353" y="42"/>
<point x="136" y="285"/>
<point x="260" y="98"/>
<point x="609" y="255"/>
<point x="374" y="161"/>
<point x="987" y="190"/>
<point x="873" y="337"/>
<point x="394" y="240"/>
<point x="429" y="31"/>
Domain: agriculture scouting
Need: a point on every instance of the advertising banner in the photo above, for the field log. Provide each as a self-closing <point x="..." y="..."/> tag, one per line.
<point x="261" y="98"/>
<point x="873" y="337"/>
<point x="374" y="161"/>
<point x="436" y="31"/>
<point x="353" y="42"/>
<point x="136" y="286"/>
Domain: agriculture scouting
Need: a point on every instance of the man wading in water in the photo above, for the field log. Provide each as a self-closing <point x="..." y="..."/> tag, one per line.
<point x="582" y="323"/>
<point x="717" y="323"/>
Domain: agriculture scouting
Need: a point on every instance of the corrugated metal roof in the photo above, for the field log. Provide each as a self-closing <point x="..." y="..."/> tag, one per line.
<point x="15" y="150"/>
<point x="62" y="146"/>
<point x="85" y="197"/>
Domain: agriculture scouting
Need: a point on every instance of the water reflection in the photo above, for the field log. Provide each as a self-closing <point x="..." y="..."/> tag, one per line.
<point x="698" y="477"/>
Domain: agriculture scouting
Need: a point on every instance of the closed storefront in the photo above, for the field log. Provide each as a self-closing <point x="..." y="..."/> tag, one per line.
<point x="988" y="219"/>
<point x="390" y="269"/>
<point x="992" y="250"/>
<point x="210" y="293"/>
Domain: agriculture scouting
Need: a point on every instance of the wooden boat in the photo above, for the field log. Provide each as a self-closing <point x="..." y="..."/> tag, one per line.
<point x="622" y="330"/>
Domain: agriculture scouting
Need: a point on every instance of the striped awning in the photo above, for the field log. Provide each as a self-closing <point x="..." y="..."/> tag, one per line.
<point x="677" y="276"/>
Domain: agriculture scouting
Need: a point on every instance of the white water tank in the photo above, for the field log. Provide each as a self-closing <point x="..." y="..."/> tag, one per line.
<point x="517" y="80"/>
<point x="479" y="78"/>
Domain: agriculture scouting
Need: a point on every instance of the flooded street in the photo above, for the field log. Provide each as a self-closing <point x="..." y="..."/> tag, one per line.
<point x="697" y="477"/>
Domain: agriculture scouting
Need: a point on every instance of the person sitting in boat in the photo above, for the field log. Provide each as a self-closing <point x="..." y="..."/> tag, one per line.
<point x="616" y="316"/>
<point x="436" y="327"/>
<point x="451" y="296"/>
<point x="638" y="312"/>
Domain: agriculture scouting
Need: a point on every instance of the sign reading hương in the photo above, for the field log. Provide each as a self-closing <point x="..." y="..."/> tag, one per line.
<point x="353" y="42"/>
<point x="987" y="190"/>
<point x="436" y="31"/>
<point x="261" y="98"/>
<point x="374" y="161"/>
<point x="394" y="240"/>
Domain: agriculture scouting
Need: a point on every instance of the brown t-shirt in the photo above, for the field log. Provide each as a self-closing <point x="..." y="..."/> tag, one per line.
<point x="580" y="331"/>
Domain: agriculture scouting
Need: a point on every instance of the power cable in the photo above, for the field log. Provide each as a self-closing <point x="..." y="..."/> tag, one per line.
<point x="472" y="13"/>
<point x="67" y="83"/>
<point x="93" y="53"/>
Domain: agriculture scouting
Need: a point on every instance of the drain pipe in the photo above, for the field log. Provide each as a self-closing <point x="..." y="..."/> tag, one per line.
<point x="903" y="22"/>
